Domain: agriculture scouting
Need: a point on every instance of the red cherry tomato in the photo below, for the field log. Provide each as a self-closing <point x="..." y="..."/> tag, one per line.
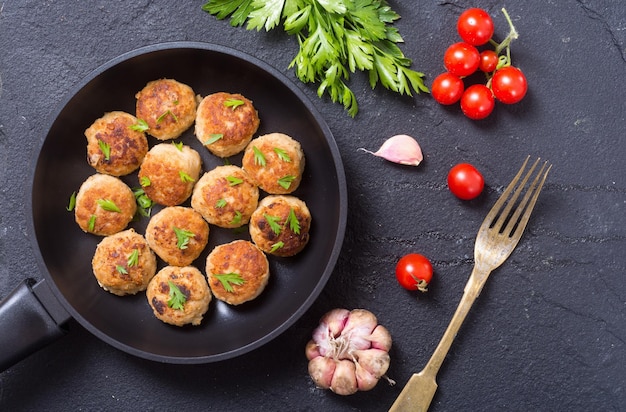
<point x="414" y="272"/>
<point x="477" y="102"/>
<point x="465" y="181"/>
<point x="509" y="85"/>
<point x="475" y="26"/>
<point x="461" y="59"/>
<point x="447" y="88"/>
<point x="488" y="61"/>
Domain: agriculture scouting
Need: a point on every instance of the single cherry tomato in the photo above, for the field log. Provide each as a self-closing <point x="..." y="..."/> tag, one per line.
<point x="509" y="85"/>
<point x="414" y="272"/>
<point x="461" y="59"/>
<point x="447" y="88"/>
<point x="475" y="26"/>
<point x="488" y="61"/>
<point x="477" y="102"/>
<point x="465" y="181"/>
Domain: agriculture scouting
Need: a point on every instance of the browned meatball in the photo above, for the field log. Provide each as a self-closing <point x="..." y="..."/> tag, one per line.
<point x="169" y="172"/>
<point x="280" y="225"/>
<point x="167" y="106"/>
<point x="237" y="272"/>
<point x="178" y="235"/>
<point x="225" y="196"/>
<point x="179" y="295"/>
<point x="104" y="205"/>
<point x="275" y="162"/>
<point x="113" y="146"/>
<point x="123" y="264"/>
<point x="225" y="123"/>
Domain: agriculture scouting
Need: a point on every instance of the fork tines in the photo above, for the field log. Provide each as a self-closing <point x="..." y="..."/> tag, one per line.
<point x="515" y="214"/>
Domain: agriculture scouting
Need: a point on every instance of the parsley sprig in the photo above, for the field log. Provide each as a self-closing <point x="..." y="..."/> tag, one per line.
<point x="177" y="298"/>
<point x="336" y="38"/>
<point x="229" y="279"/>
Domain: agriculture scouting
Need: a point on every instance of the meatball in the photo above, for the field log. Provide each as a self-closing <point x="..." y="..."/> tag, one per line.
<point x="237" y="272"/>
<point x="275" y="162"/>
<point x="168" y="107"/>
<point x="225" y="123"/>
<point x="114" y="147"/>
<point x="179" y="295"/>
<point x="178" y="235"/>
<point x="104" y="205"/>
<point x="225" y="196"/>
<point x="280" y="225"/>
<point x="169" y="172"/>
<point x="123" y="263"/>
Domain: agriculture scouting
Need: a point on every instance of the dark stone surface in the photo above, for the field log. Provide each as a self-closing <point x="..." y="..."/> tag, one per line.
<point x="548" y="331"/>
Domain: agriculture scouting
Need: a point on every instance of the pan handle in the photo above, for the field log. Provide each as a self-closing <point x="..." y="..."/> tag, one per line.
<point x="31" y="317"/>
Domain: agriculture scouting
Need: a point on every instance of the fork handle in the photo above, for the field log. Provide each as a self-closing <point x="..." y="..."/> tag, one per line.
<point x="472" y="289"/>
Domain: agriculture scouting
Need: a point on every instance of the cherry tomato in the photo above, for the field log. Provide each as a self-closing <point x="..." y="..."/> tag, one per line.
<point x="447" y="88"/>
<point x="461" y="59"/>
<point x="477" y="102"/>
<point x="414" y="272"/>
<point x="488" y="61"/>
<point x="509" y="85"/>
<point x="465" y="181"/>
<point x="475" y="26"/>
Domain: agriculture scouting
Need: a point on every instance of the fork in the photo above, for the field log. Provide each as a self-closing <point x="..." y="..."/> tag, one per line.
<point x="498" y="235"/>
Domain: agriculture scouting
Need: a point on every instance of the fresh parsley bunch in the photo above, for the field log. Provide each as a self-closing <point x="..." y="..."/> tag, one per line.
<point x="336" y="38"/>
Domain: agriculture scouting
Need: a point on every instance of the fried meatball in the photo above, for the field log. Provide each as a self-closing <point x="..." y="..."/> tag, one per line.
<point x="178" y="309"/>
<point x="104" y="205"/>
<point x="280" y="225"/>
<point x="275" y="162"/>
<point x="178" y="235"/>
<point x="169" y="172"/>
<point x="225" y="196"/>
<point x="225" y="123"/>
<point x="113" y="147"/>
<point x="167" y="106"/>
<point x="237" y="272"/>
<point x="123" y="263"/>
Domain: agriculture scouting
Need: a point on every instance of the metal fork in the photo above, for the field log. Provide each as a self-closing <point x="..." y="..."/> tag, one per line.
<point x="497" y="237"/>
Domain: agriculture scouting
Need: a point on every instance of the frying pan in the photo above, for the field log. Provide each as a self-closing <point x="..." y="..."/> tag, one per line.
<point x="37" y="311"/>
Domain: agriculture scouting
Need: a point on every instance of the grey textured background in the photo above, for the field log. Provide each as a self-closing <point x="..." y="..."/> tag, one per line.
<point x="547" y="333"/>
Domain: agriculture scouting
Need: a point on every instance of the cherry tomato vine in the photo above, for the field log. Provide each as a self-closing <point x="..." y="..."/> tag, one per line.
<point x="504" y="82"/>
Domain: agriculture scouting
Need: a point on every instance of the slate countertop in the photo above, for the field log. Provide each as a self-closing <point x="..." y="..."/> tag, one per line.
<point x="548" y="331"/>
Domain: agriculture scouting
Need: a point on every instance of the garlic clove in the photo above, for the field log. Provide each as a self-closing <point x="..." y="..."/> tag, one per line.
<point x="322" y="370"/>
<point x="401" y="148"/>
<point x="344" y="378"/>
<point x="381" y="338"/>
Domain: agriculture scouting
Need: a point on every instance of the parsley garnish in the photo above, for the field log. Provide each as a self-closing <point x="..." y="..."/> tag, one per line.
<point x="233" y="103"/>
<point x="133" y="258"/>
<point x="229" y="279"/>
<point x="178" y="145"/>
<point x="336" y="38"/>
<point x="234" y="181"/>
<point x="221" y="203"/>
<point x="185" y="177"/>
<point x="140" y="126"/>
<point x="72" y="203"/>
<point x="259" y="157"/>
<point x="144" y="203"/>
<point x="165" y="114"/>
<point x="273" y="222"/>
<point x="293" y="222"/>
<point x="285" y="181"/>
<point x="182" y="237"/>
<point x="237" y="218"/>
<point x="108" y="205"/>
<point x="121" y="269"/>
<point x="214" y="138"/>
<point x="144" y="181"/>
<point x="177" y="298"/>
<point x="277" y="246"/>
<point x="92" y="223"/>
<point x="105" y="148"/>
<point x="282" y="154"/>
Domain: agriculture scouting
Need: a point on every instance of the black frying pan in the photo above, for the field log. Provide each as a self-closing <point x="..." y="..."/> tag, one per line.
<point x="35" y="313"/>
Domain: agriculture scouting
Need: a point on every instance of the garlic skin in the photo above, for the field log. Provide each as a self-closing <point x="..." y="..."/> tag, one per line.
<point x="349" y="351"/>
<point x="401" y="148"/>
